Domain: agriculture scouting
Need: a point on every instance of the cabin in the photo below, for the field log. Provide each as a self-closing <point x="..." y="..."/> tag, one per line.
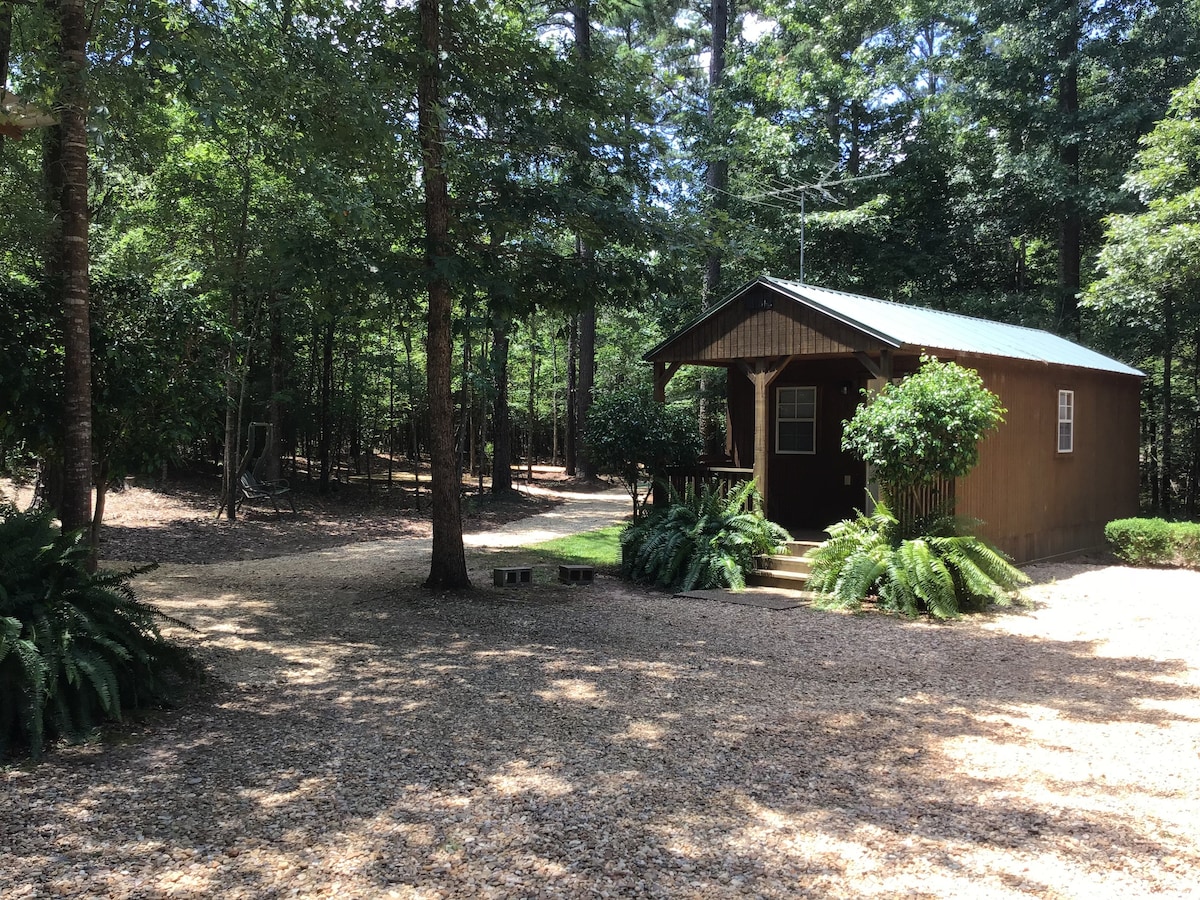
<point x="798" y="357"/>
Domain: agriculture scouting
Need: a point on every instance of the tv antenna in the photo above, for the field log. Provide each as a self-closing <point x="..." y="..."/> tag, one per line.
<point x="785" y="197"/>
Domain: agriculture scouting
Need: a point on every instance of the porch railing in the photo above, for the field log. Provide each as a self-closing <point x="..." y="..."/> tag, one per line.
<point x="724" y="478"/>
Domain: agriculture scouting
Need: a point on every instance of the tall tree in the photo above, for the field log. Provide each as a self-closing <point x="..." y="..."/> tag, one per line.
<point x="73" y="272"/>
<point x="448" y="567"/>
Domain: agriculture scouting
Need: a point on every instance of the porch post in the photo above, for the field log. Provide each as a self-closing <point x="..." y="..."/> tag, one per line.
<point x="762" y="373"/>
<point x="663" y="372"/>
<point x="762" y="433"/>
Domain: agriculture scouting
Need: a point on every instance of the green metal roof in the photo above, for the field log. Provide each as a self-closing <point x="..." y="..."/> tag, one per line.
<point x="918" y="328"/>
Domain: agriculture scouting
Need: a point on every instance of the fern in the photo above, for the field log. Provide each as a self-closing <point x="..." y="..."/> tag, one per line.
<point x="75" y="648"/>
<point x="702" y="540"/>
<point x="941" y="572"/>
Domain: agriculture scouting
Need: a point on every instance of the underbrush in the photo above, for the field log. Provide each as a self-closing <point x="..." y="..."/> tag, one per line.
<point x="703" y="540"/>
<point x="77" y="649"/>
<point x="1155" y="542"/>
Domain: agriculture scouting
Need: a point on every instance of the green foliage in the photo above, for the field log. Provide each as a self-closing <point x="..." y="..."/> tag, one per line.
<point x="1186" y="537"/>
<point x="75" y="648"/>
<point x="600" y="548"/>
<point x="1154" y="542"/>
<point x="702" y="540"/>
<point x="926" y="427"/>
<point x="635" y="438"/>
<point x="943" y="572"/>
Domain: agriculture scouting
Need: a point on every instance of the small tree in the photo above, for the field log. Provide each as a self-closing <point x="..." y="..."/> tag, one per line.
<point x="632" y="436"/>
<point x="925" y="428"/>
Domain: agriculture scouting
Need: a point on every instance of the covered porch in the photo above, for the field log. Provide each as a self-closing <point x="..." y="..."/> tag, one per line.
<point x="794" y="375"/>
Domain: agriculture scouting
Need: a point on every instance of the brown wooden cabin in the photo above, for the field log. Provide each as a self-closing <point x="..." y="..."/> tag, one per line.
<point x="1064" y="463"/>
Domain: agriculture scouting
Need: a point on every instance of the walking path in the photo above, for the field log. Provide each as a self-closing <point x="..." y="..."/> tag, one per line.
<point x="577" y="514"/>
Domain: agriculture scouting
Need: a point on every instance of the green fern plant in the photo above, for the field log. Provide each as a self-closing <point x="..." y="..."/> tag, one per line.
<point x="703" y="539"/>
<point x="943" y="572"/>
<point x="76" y="648"/>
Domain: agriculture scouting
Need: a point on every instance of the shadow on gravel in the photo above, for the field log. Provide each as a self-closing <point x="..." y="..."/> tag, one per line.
<point x="598" y="742"/>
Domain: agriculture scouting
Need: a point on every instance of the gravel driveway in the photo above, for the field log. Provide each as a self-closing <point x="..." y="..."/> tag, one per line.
<point x="363" y="737"/>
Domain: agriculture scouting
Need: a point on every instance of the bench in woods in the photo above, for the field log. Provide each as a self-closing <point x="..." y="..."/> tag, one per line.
<point x="253" y="489"/>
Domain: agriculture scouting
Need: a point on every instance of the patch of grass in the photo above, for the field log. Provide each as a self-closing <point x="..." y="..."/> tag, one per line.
<point x="600" y="549"/>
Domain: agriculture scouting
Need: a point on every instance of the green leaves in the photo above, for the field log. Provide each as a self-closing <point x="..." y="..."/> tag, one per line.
<point x="924" y="428"/>
<point x="942" y="573"/>
<point x="633" y="437"/>
<point x="75" y="649"/>
<point x="704" y="539"/>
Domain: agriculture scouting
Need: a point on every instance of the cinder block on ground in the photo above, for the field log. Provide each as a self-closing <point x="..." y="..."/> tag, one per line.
<point x="576" y="574"/>
<point x="511" y="576"/>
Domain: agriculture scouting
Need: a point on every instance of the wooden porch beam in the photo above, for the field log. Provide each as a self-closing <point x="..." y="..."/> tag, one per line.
<point x="762" y="372"/>
<point x="663" y="373"/>
<point x="881" y="369"/>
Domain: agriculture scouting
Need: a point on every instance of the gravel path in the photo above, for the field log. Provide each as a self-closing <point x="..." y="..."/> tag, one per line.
<point x="368" y="738"/>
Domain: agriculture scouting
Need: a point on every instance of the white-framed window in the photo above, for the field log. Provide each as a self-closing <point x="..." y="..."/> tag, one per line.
<point x="1066" y="421"/>
<point x="796" y="420"/>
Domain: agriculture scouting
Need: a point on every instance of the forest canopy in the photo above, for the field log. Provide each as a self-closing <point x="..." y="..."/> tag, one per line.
<point x="253" y="186"/>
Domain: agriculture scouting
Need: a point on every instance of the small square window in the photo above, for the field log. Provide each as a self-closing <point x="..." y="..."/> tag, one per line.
<point x="1066" y="421"/>
<point x="796" y="420"/>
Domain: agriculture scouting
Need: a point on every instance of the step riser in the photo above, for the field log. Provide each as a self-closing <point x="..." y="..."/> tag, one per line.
<point x="799" y="548"/>
<point x="784" y="564"/>
<point x="792" y="581"/>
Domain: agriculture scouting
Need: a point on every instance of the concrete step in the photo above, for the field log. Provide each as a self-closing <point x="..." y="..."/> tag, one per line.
<point x="784" y="563"/>
<point x="799" y="548"/>
<point x="792" y="581"/>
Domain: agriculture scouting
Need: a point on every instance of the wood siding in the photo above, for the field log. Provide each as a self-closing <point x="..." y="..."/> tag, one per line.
<point x="761" y="325"/>
<point x="1035" y="502"/>
<point x="807" y="491"/>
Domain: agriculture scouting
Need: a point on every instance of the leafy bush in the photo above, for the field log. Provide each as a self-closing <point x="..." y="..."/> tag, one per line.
<point x="702" y="540"/>
<point x="942" y="572"/>
<point x="1140" y="542"/>
<point x="1186" y="538"/>
<point x="634" y="437"/>
<point x="924" y="428"/>
<point x="75" y="648"/>
<point x="1154" y="542"/>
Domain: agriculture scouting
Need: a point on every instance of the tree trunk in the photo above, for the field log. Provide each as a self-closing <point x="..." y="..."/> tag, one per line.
<point x="531" y="419"/>
<point x="1168" y="423"/>
<point x="717" y="180"/>
<point x="324" y="451"/>
<point x="572" y="429"/>
<point x="1194" y="469"/>
<point x="6" y="17"/>
<point x="501" y="417"/>
<point x="587" y="318"/>
<point x="587" y="374"/>
<point x="76" y="509"/>
<point x="1071" y="222"/>
<point x="275" y="406"/>
<point x="234" y="385"/>
<point x="448" y="565"/>
<point x="103" y="472"/>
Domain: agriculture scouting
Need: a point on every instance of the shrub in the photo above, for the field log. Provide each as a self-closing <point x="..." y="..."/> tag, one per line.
<point x="632" y="436"/>
<point x="924" y="428"/>
<point x="75" y="648"/>
<point x="1186" y="538"/>
<point x="702" y="540"/>
<point x="942" y="572"/>
<point x="1154" y="542"/>
<point x="1141" y="542"/>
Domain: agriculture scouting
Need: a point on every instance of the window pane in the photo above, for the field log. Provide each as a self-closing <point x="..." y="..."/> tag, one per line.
<point x="1064" y="437"/>
<point x="807" y="433"/>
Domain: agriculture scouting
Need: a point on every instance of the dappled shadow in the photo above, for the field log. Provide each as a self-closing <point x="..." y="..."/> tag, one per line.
<point x="178" y="523"/>
<point x="612" y="741"/>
